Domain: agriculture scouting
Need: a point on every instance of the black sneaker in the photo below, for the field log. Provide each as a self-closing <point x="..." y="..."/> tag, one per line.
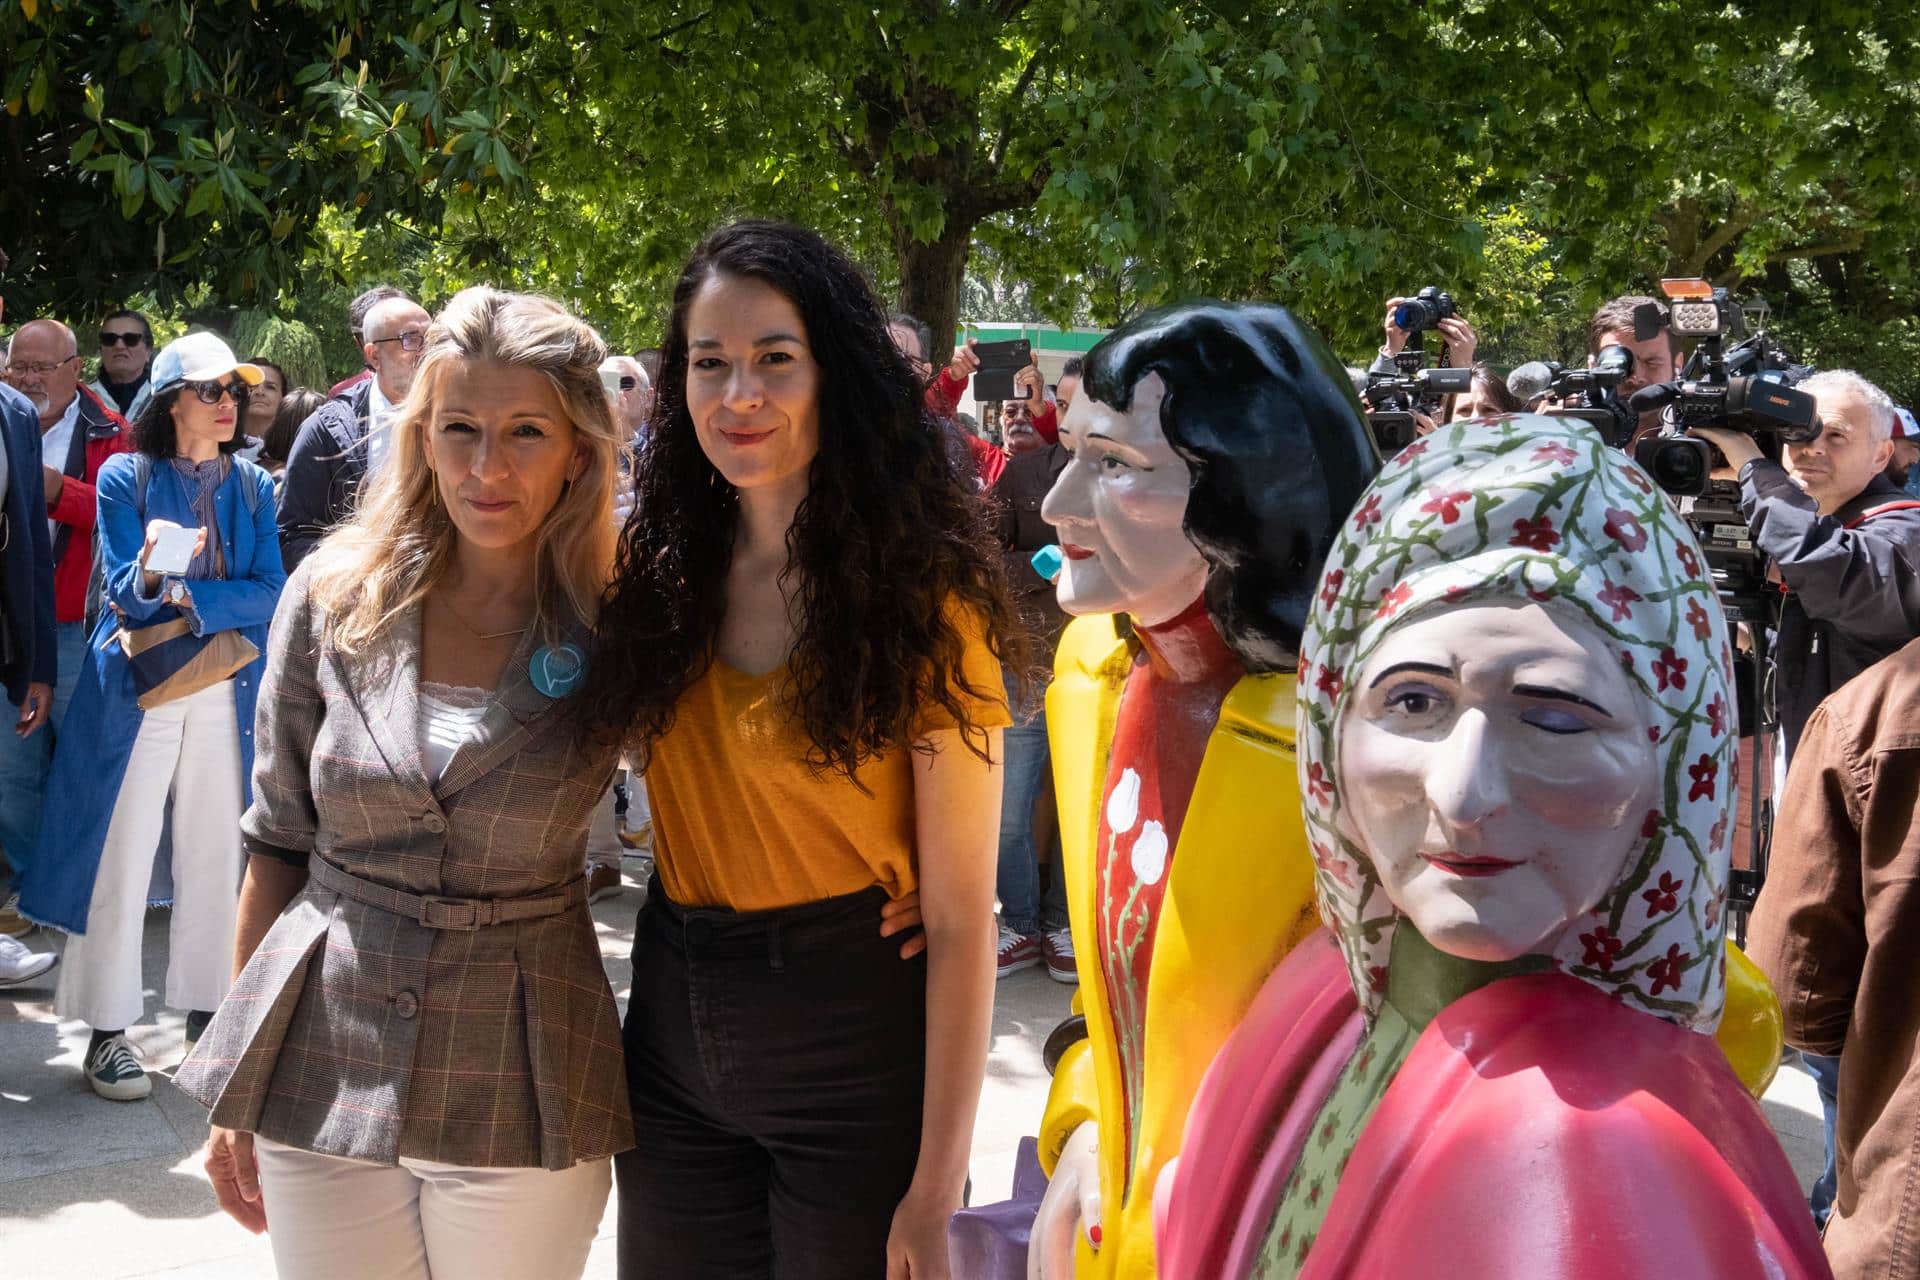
<point x="115" y="1073"/>
<point x="197" y="1020"/>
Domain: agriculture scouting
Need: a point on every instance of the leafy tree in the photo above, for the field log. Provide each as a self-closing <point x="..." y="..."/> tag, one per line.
<point x="153" y="145"/>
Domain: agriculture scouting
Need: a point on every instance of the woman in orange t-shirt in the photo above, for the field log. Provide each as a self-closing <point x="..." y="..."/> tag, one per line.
<point x="803" y="645"/>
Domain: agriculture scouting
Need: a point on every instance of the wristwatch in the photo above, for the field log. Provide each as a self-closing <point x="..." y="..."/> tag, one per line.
<point x="176" y="593"/>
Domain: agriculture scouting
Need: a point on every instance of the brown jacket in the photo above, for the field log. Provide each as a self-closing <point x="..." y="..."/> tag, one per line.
<point x="360" y="1032"/>
<point x="1837" y="929"/>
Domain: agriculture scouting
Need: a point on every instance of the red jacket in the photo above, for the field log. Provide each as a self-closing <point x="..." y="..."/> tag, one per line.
<point x="104" y="433"/>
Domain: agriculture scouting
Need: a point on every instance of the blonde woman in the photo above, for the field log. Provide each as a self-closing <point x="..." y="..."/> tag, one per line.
<point x="418" y="1071"/>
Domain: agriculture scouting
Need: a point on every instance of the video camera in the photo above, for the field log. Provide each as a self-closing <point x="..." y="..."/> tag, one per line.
<point x="1747" y="387"/>
<point x="1590" y="395"/>
<point x="1393" y="398"/>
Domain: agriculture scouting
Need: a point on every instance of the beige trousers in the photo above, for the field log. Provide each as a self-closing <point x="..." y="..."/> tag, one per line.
<point x="330" y="1218"/>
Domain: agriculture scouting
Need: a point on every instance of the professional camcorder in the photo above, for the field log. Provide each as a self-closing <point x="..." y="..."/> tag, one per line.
<point x="1591" y="395"/>
<point x="1747" y="387"/>
<point x="1393" y="398"/>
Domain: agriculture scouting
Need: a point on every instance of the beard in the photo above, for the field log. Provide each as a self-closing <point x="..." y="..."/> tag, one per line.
<point x="41" y="401"/>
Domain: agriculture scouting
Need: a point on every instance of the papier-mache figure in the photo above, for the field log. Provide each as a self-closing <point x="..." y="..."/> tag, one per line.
<point x="1516" y="741"/>
<point x="1216" y="449"/>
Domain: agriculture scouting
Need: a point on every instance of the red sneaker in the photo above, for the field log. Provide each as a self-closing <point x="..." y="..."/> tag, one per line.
<point x="1017" y="951"/>
<point x="1056" y="946"/>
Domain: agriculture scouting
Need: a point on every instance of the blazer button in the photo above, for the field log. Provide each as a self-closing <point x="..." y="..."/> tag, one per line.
<point x="434" y="823"/>
<point x="406" y="1004"/>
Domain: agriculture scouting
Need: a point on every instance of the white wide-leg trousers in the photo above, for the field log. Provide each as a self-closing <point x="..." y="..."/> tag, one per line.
<point x="190" y="747"/>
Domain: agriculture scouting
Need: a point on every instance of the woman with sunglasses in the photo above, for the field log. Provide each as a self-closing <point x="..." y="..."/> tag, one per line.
<point x="117" y="764"/>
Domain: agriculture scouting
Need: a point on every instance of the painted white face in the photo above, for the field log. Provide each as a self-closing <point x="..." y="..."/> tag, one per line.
<point x="1495" y="765"/>
<point x="1118" y="509"/>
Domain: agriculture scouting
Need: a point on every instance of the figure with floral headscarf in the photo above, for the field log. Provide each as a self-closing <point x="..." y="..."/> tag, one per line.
<point x="1516" y="744"/>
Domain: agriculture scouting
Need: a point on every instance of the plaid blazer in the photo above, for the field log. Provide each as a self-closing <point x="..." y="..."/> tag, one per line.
<point x="358" y="1032"/>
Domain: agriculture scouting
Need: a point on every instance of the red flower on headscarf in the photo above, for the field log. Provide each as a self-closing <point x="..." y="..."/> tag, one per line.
<point x="1601" y="947"/>
<point x="1670" y="669"/>
<point x="1319" y="790"/>
<point x="1555" y="452"/>
<point x="1330" y="589"/>
<point x="1703" y="772"/>
<point x="1719" y="831"/>
<point x="1689" y="561"/>
<point x="1714" y="908"/>
<point x="1663" y="897"/>
<point x="1413" y="450"/>
<point x="1377" y="977"/>
<point x="1446" y="505"/>
<point x="1620" y="600"/>
<point x="1323" y="858"/>
<point x="1624" y="529"/>
<point x="1650" y="825"/>
<point x="1537" y="534"/>
<point x="1398" y="594"/>
<point x="1665" y="971"/>
<point x="1717" y="715"/>
<point x="1699" y="619"/>
<point x="1329" y="681"/>
<point x="1636" y="479"/>
<point x="1369" y="512"/>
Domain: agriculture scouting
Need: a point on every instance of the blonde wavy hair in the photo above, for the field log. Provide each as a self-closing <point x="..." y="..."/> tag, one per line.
<point x="400" y="543"/>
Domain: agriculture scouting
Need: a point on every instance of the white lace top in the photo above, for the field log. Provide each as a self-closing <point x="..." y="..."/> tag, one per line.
<point x="448" y="715"/>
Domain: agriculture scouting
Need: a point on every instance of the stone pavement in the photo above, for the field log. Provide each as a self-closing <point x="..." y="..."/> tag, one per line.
<point x="106" y="1190"/>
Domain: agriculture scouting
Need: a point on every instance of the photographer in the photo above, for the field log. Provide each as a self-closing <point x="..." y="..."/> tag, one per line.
<point x="1655" y="357"/>
<point x="1844" y="541"/>
<point x="1454" y="331"/>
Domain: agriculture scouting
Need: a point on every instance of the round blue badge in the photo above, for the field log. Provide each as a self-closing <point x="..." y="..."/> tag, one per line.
<point x="556" y="671"/>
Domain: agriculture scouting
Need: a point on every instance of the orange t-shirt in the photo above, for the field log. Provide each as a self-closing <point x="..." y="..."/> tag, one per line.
<point x="740" y="821"/>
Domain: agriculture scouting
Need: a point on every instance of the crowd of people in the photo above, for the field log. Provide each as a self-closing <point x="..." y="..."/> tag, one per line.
<point x="348" y="677"/>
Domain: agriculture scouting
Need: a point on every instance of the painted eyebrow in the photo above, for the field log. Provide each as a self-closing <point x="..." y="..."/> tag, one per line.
<point x="1425" y="668"/>
<point x="708" y="344"/>
<point x="1560" y="695"/>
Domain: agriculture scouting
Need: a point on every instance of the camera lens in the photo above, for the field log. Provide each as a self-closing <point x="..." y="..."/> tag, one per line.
<point x="1416" y="313"/>
<point x="1677" y="464"/>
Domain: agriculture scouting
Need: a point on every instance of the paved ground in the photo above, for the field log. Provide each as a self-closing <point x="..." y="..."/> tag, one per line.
<point x="107" y="1190"/>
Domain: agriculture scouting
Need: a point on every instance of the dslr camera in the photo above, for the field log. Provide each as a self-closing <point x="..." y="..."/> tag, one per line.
<point x="1424" y="310"/>
<point x="1393" y="398"/>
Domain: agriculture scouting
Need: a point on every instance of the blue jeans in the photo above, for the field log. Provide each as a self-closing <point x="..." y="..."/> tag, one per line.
<point x="1826" y="1076"/>
<point x="1023" y="777"/>
<point x="25" y="762"/>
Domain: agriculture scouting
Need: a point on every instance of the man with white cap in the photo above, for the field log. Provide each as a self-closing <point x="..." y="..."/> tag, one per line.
<point x="345" y="440"/>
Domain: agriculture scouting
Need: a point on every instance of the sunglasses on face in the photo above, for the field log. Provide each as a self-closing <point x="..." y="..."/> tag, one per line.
<point x="411" y="340"/>
<point x="210" y="392"/>
<point x="629" y="382"/>
<point x="122" y="339"/>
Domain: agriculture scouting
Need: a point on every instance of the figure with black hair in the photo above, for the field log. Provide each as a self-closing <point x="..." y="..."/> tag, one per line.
<point x="1215" y="450"/>
<point x="802" y="648"/>
<point x="164" y="712"/>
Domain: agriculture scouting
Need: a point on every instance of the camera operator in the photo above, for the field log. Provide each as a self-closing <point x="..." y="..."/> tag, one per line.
<point x="1844" y="540"/>
<point x="1655" y="358"/>
<point x="1458" y="334"/>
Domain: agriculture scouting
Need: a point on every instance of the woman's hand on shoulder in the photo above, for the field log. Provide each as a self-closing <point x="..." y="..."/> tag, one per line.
<point x="902" y="915"/>
<point x="235" y="1175"/>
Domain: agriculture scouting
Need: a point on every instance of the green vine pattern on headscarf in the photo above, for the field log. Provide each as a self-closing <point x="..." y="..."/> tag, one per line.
<point x="1542" y="509"/>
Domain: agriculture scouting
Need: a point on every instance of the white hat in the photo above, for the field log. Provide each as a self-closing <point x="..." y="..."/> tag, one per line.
<point x="198" y="357"/>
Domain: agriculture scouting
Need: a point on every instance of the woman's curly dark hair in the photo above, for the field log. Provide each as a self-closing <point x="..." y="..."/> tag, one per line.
<point x="889" y="553"/>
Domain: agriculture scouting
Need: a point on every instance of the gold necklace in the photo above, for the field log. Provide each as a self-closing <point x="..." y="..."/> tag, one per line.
<point x="474" y="631"/>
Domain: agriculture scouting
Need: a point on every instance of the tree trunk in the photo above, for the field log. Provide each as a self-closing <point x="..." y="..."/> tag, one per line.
<point x="930" y="276"/>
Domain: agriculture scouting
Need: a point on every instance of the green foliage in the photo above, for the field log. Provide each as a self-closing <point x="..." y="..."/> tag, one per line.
<point x="1096" y="157"/>
<point x="288" y="343"/>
